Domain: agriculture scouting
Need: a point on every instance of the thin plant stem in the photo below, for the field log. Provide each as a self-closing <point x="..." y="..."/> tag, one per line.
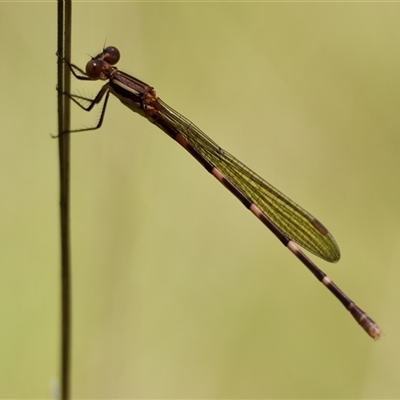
<point x="64" y="8"/>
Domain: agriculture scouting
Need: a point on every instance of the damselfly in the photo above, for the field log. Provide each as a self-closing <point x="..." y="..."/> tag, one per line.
<point x="285" y="219"/>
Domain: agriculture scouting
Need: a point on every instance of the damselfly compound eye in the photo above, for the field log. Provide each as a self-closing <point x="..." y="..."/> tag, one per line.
<point x="94" y="68"/>
<point x="111" y="55"/>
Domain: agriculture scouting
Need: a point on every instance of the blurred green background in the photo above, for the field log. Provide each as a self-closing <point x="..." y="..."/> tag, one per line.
<point x="178" y="291"/>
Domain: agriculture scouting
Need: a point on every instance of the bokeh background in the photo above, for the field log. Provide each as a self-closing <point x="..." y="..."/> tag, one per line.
<point x="178" y="291"/>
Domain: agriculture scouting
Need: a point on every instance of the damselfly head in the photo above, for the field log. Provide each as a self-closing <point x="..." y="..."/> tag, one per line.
<point x="96" y="68"/>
